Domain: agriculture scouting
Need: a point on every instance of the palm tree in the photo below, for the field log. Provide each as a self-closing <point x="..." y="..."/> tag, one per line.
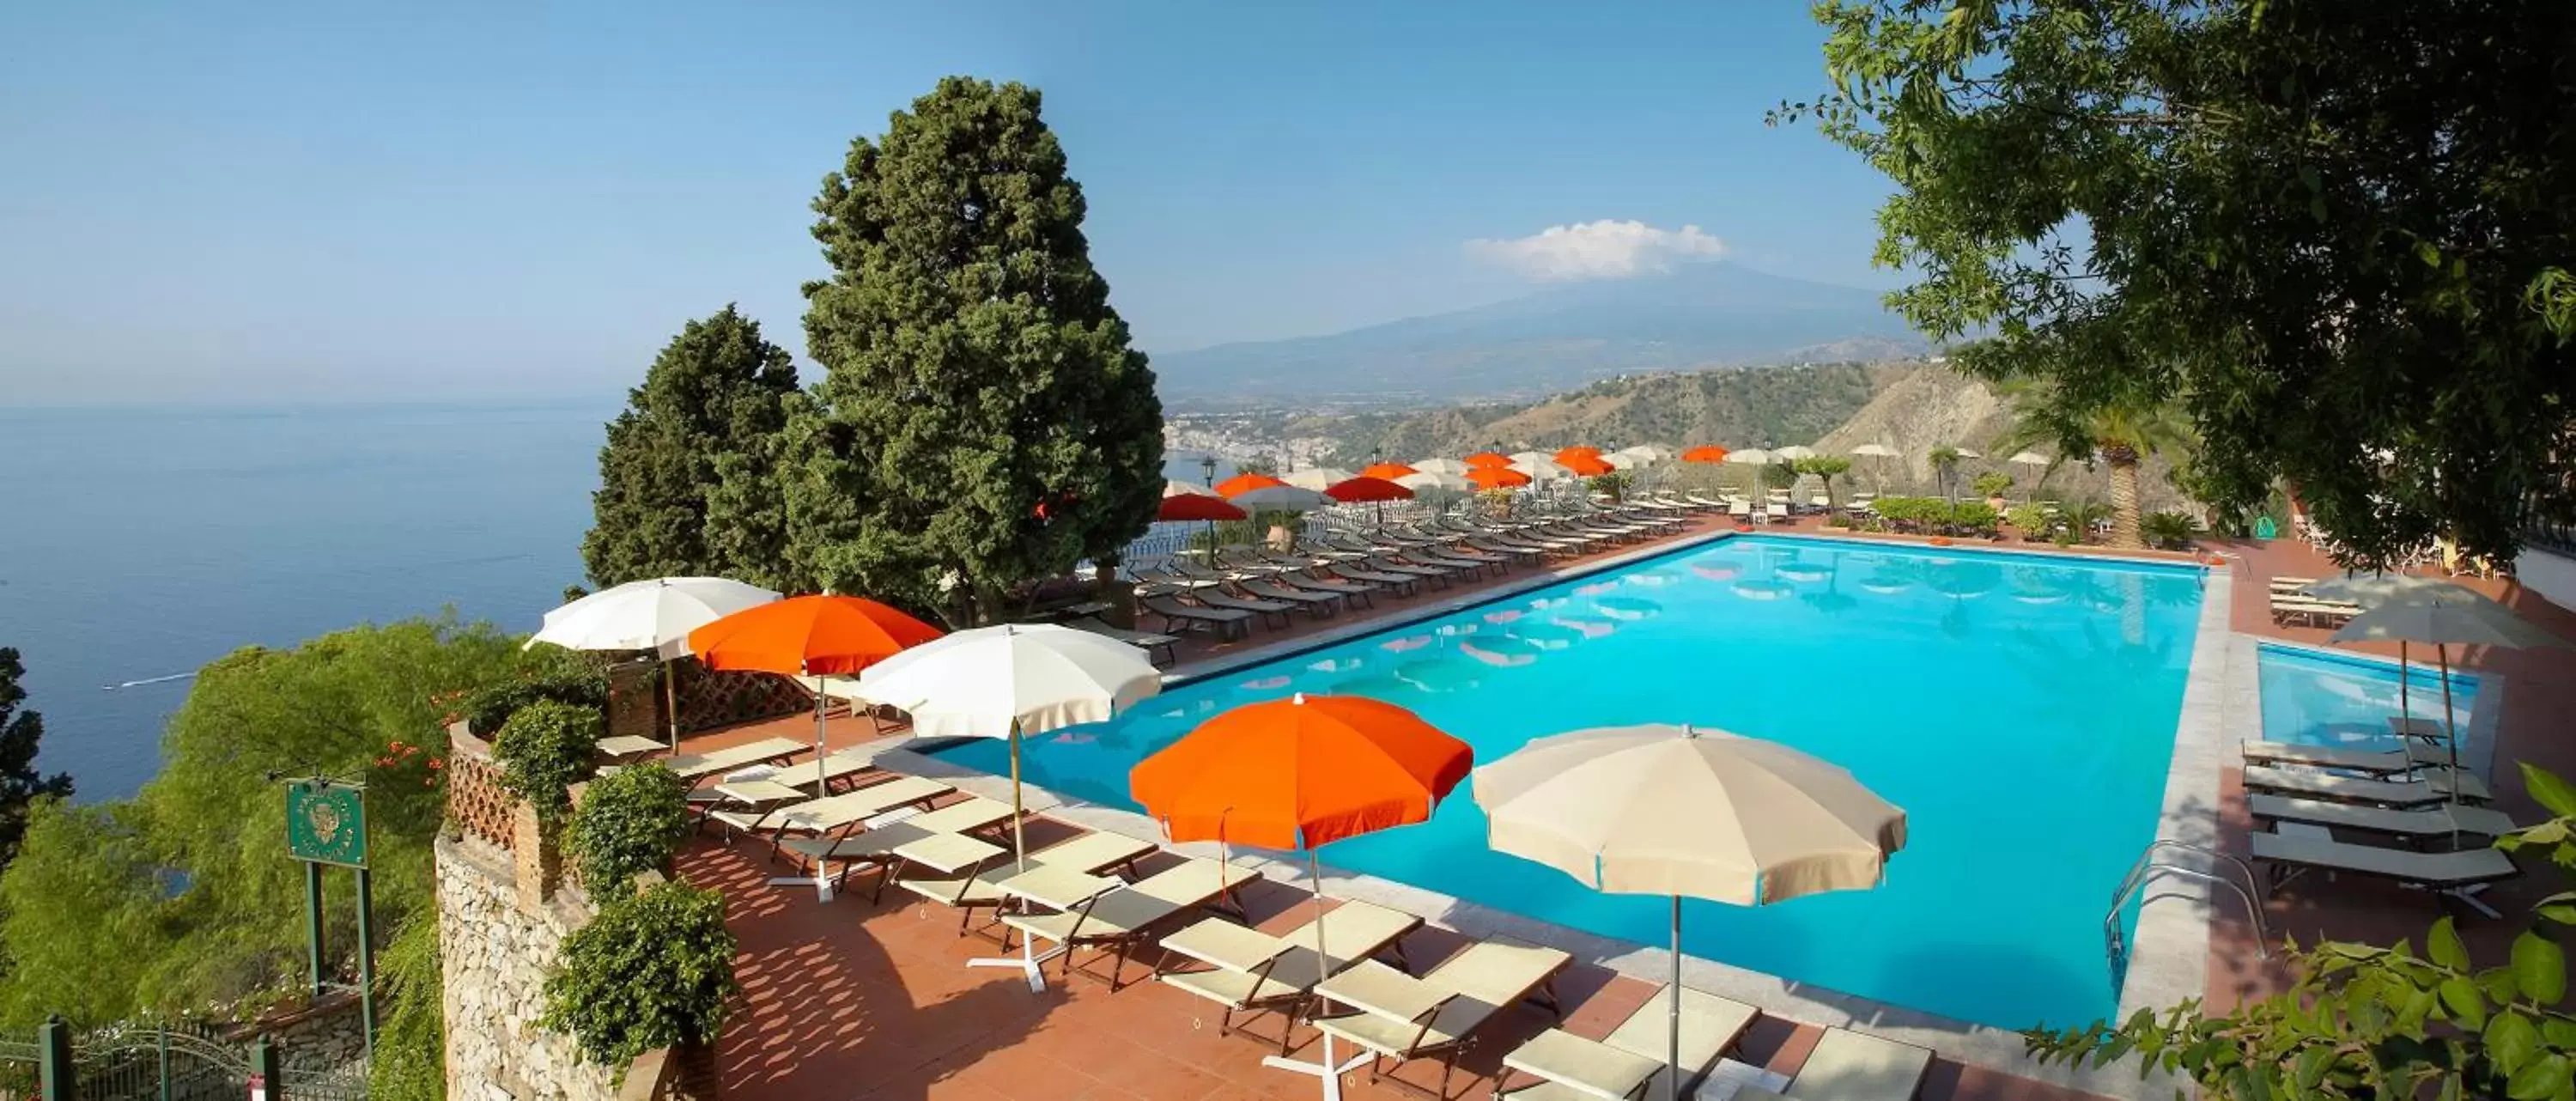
<point x="1945" y="461"/>
<point x="2119" y="434"/>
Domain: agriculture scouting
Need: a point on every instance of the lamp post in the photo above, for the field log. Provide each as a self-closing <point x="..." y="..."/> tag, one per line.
<point x="1207" y="467"/>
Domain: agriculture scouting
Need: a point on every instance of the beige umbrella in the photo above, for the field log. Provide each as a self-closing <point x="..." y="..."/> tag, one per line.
<point x="1753" y="457"/>
<point x="1316" y="477"/>
<point x="1439" y="466"/>
<point x="1880" y="452"/>
<point x="2457" y="617"/>
<point x="1436" y="479"/>
<point x="2373" y="590"/>
<point x="1677" y="811"/>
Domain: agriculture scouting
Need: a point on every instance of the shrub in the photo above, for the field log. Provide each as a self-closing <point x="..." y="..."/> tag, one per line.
<point x="411" y="1043"/>
<point x="653" y="969"/>
<point x="2032" y="521"/>
<point x="1613" y="485"/>
<point x="629" y="822"/>
<point x="2065" y="536"/>
<point x="565" y="677"/>
<point x="2169" y="530"/>
<point x="1839" y="520"/>
<point x="544" y="749"/>
<point x="1972" y="518"/>
<point x="1992" y="483"/>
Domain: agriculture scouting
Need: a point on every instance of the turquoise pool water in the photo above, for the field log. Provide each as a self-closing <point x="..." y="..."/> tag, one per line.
<point x="2315" y="697"/>
<point x="2020" y="708"/>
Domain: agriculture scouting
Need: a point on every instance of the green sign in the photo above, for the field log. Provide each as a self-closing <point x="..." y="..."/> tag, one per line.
<point x="326" y="821"/>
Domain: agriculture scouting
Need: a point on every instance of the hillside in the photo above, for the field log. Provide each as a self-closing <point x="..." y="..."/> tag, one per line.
<point x="1767" y="406"/>
<point x="1561" y="338"/>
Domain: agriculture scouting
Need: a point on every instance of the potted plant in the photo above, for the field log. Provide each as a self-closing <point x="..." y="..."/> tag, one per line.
<point x="1991" y="485"/>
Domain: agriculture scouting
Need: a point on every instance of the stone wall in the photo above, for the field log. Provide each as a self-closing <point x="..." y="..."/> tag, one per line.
<point x="496" y="944"/>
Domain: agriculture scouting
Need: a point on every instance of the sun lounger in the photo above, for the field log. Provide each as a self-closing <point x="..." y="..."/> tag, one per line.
<point x="690" y="766"/>
<point x="1853" y="1066"/>
<point x="2310" y="611"/>
<point x="2425" y="823"/>
<point x="1115" y="922"/>
<point x="874" y="849"/>
<point x="1353" y="593"/>
<point x="2435" y="787"/>
<point x="1437" y="1015"/>
<point x="1404" y="584"/>
<point x="1156" y="647"/>
<point x="1224" y="623"/>
<point x="2417" y="726"/>
<point x="2374" y="762"/>
<point x="1631" y="1058"/>
<point x="2281" y="857"/>
<point x="1254" y="972"/>
<point x="1317" y="604"/>
<point x="1775" y="514"/>
<point x="832" y="815"/>
<point x="969" y="890"/>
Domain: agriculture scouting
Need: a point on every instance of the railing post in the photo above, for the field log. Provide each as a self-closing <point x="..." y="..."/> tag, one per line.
<point x="56" y="1079"/>
<point x="267" y="1071"/>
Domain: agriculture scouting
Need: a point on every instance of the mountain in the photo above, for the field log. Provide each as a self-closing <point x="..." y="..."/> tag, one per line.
<point x="1699" y="315"/>
<point x="1757" y="406"/>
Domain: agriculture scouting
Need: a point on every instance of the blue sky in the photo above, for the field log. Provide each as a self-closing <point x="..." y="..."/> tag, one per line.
<point x="289" y="201"/>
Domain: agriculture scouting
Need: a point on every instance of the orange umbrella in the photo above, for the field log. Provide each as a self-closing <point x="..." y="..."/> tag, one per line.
<point x="1705" y="453"/>
<point x="813" y="636"/>
<point x="1565" y="453"/>
<point x="1302" y="772"/>
<point x="1488" y="460"/>
<point x="1245" y="483"/>
<point x="1587" y="466"/>
<point x="1387" y="471"/>
<point x="1497" y="477"/>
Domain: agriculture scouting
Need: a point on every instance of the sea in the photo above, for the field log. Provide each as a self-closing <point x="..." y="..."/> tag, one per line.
<point x="137" y="544"/>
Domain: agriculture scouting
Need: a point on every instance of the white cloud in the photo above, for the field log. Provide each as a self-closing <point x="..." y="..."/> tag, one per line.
<point x="1604" y="249"/>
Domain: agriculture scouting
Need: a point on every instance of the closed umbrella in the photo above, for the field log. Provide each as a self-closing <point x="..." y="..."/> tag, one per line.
<point x="810" y="636"/>
<point x="1301" y="773"/>
<point x="655" y="615"/>
<point x="2457" y="618"/>
<point x="1679" y="811"/>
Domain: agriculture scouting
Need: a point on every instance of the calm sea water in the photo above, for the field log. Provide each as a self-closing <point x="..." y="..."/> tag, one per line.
<point x="2021" y="709"/>
<point x="138" y="544"/>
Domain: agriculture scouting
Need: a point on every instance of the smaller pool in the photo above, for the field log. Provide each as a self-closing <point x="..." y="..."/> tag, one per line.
<point x="2313" y="697"/>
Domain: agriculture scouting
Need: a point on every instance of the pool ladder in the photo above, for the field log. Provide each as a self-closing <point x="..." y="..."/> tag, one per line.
<point x="2148" y="866"/>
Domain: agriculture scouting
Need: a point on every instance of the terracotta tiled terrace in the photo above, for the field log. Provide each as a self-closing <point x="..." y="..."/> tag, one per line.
<point x="855" y="998"/>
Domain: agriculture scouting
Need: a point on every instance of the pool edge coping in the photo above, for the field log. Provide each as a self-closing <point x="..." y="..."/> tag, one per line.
<point x="2169" y="951"/>
<point x="1986" y="1047"/>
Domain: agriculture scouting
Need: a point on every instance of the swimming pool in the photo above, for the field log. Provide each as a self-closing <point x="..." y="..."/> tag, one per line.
<point x="2021" y="709"/>
<point x="2316" y="697"/>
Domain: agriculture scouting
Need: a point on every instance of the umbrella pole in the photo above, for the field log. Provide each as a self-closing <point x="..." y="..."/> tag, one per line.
<point x="671" y="699"/>
<point x="1673" y="1016"/>
<point x="819" y="684"/>
<point x="1019" y="841"/>
<point x="2405" y="714"/>
<point x="2450" y="734"/>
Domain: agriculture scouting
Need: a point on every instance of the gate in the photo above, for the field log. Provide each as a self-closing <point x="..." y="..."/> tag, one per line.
<point x="147" y="1063"/>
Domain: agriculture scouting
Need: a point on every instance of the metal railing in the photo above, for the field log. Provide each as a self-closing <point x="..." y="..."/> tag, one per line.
<point x="2248" y="890"/>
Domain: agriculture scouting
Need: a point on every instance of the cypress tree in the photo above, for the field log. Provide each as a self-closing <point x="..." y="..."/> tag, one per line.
<point x="983" y="420"/>
<point x="21" y="735"/>
<point x="672" y="496"/>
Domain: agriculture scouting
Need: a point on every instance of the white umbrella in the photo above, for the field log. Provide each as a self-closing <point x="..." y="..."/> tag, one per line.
<point x="655" y="615"/>
<point x="1438" y="466"/>
<point x="1436" y="479"/>
<point x="2373" y="590"/>
<point x="1539" y="466"/>
<point x="1006" y="681"/>
<point x="1793" y="453"/>
<point x="2458" y="617"/>
<point x="1291" y="498"/>
<point x="1676" y="811"/>
<point x="1316" y="477"/>
<point x="2027" y="458"/>
<point x="1968" y="453"/>
<point x="1875" y="451"/>
<point x="1756" y="457"/>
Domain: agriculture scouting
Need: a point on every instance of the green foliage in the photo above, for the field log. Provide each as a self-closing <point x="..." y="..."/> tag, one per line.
<point x="1825" y="468"/>
<point x="2370" y="1022"/>
<point x="686" y="484"/>
<point x="983" y="420"/>
<point x="2031" y="520"/>
<point x="1779" y="475"/>
<point x="564" y="676"/>
<point x="2169" y="530"/>
<point x="1993" y="483"/>
<point x="21" y="735"/>
<point x="1939" y="516"/>
<point x="1973" y="518"/>
<point x="96" y="922"/>
<point x="410" y="1059"/>
<point x="653" y="969"/>
<point x="1613" y="485"/>
<point x="2343" y="241"/>
<point x="545" y="748"/>
<point x="628" y="822"/>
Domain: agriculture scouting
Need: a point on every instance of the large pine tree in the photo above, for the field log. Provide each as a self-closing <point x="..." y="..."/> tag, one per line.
<point x="983" y="420"/>
<point x="21" y="735"/>
<point x="676" y="477"/>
